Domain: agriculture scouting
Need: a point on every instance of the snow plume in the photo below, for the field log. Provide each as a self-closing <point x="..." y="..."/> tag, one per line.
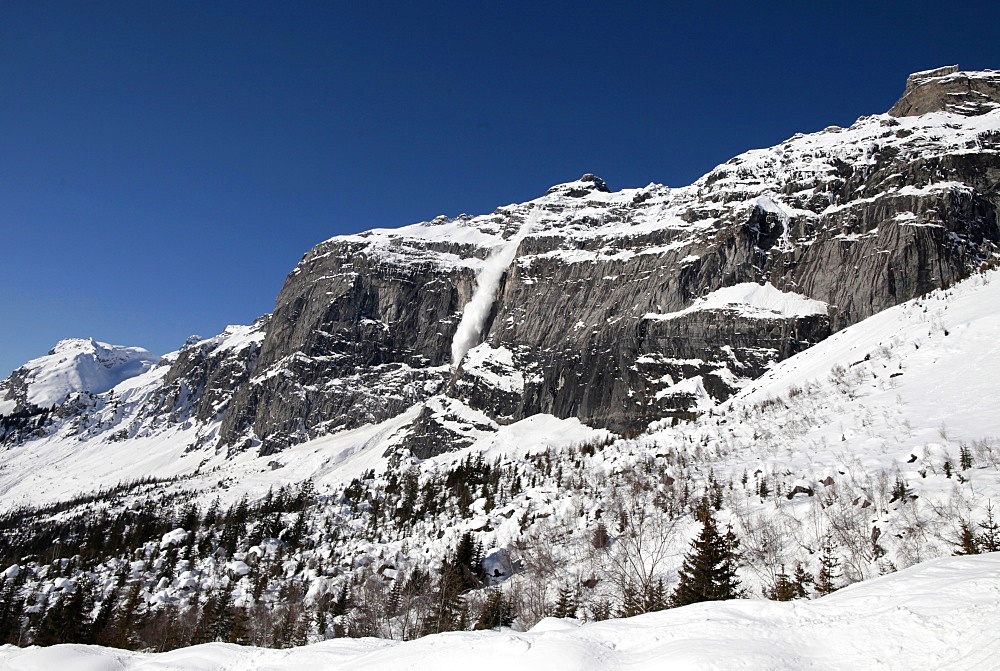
<point x="470" y="329"/>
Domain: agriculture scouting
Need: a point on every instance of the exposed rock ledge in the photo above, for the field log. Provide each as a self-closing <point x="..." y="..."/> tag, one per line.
<point x="948" y="90"/>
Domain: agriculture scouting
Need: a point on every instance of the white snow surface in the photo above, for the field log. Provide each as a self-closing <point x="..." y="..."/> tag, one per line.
<point x="82" y="365"/>
<point x="942" y="614"/>
<point x="932" y="359"/>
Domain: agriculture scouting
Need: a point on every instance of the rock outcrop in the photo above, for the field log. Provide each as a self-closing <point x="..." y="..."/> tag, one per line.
<point x="948" y="90"/>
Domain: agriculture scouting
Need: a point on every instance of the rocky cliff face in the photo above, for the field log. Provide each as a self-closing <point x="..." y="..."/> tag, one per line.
<point x="618" y="308"/>
<point x="948" y="90"/>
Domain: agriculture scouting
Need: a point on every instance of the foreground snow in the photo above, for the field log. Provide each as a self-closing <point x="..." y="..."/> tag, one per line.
<point x="941" y="614"/>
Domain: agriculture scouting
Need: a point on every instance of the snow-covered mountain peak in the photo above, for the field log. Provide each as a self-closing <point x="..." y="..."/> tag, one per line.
<point x="73" y="365"/>
<point x="74" y="345"/>
<point x="580" y="187"/>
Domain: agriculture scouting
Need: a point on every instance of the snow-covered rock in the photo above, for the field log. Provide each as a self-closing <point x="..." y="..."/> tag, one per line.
<point x="175" y="537"/>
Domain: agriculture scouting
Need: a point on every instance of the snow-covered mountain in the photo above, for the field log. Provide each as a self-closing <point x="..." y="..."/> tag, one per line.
<point x="73" y="366"/>
<point x="802" y="342"/>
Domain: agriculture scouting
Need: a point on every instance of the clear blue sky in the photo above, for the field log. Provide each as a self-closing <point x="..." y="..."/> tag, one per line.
<point x="164" y="165"/>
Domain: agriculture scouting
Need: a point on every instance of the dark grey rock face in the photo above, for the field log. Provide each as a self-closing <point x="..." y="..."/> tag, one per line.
<point x="205" y="376"/>
<point x="355" y="338"/>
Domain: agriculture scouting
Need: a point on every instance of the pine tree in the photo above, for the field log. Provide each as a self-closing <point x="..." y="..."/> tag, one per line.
<point x="445" y="609"/>
<point x="600" y="610"/>
<point x="709" y="569"/>
<point x="967" y="543"/>
<point x="101" y="625"/>
<point x="801" y="578"/>
<point x="828" y="564"/>
<point x="989" y="538"/>
<point x="566" y="604"/>
<point x="965" y="457"/>
<point x="600" y="540"/>
<point x="129" y="619"/>
<point x="655" y="597"/>
<point x="498" y="611"/>
<point x="11" y="607"/>
<point x="631" y="602"/>
<point x="783" y="589"/>
<point x="300" y="631"/>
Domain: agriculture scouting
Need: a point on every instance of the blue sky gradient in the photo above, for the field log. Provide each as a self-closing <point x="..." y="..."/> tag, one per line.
<point x="164" y="165"/>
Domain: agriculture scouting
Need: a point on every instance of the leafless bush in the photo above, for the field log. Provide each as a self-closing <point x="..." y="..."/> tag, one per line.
<point x="639" y="555"/>
<point x="986" y="451"/>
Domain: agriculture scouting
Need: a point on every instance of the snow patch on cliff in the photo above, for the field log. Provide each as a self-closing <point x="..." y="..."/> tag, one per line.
<point x="758" y="301"/>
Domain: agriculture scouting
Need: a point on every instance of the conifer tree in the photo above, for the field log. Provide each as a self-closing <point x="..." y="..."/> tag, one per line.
<point x="655" y="597"/>
<point x="566" y="604"/>
<point x="709" y="569"/>
<point x="989" y="538"/>
<point x="498" y="611"/>
<point x="631" y="602"/>
<point x="600" y="610"/>
<point x="801" y="578"/>
<point x="967" y="543"/>
<point x="828" y="564"/>
<point x="66" y="621"/>
<point x="446" y="607"/>
<point x="11" y="606"/>
<point x="782" y="589"/>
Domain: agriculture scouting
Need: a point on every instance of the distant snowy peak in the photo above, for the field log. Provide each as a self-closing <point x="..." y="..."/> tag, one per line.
<point x="74" y="365"/>
<point x="584" y="186"/>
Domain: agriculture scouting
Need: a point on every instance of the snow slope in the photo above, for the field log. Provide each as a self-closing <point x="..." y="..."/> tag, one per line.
<point x="943" y="614"/>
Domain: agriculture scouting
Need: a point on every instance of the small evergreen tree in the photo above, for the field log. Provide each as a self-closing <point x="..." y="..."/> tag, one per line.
<point x="783" y="589"/>
<point x="566" y="603"/>
<point x="709" y="569"/>
<point x="600" y="610"/>
<point x="828" y="564"/>
<point x="498" y="611"/>
<point x="967" y="543"/>
<point x="600" y="540"/>
<point x="989" y="538"/>
<point x="655" y="597"/>
<point x="631" y="602"/>
<point x="965" y="457"/>
<point x="801" y="578"/>
<point x="129" y="619"/>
